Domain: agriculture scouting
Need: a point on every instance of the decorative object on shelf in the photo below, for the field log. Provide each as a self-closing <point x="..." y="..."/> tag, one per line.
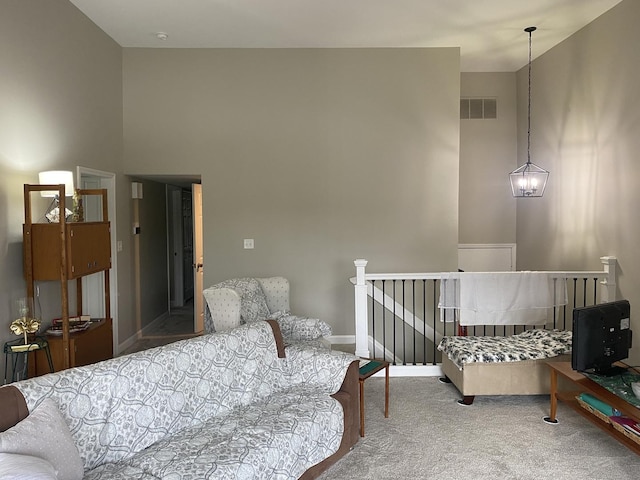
<point x="74" y="327"/>
<point x="528" y="180"/>
<point x="57" y="177"/>
<point x="78" y="209"/>
<point x="25" y="324"/>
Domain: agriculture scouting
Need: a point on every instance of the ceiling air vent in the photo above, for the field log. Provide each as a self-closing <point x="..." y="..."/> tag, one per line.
<point x="478" y="108"/>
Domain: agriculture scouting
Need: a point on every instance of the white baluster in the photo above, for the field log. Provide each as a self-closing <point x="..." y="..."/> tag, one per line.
<point x="362" y="328"/>
<point x="608" y="293"/>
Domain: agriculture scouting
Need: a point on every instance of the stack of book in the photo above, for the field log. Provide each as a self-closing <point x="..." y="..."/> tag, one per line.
<point x="76" y="324"/>
<point x="628" y="426"/>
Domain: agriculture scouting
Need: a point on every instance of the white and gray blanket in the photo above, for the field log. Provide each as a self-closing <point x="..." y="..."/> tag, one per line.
<point x="217" y="406"/>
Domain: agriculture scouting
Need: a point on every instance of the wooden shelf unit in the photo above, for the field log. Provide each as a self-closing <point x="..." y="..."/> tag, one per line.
<point x="65" y="251"/>
<point x="89" y="346"/>
<point x="583" y="384"/>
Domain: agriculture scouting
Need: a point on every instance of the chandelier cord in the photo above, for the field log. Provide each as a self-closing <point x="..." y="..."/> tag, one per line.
<point x="529" y="180"/>
<point x="530" y="30"/>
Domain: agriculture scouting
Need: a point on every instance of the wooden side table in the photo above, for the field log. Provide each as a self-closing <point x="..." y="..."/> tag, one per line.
<point x="369" y="368"/>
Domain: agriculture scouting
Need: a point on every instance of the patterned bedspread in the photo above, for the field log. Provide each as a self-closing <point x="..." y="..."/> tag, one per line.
<point x="528" y="345"/>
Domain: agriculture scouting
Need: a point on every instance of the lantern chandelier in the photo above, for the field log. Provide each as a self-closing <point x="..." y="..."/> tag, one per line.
<point x="528" y="180"/>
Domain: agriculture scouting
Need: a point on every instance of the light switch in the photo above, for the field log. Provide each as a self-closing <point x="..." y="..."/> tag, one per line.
<point x="248" y="243"/>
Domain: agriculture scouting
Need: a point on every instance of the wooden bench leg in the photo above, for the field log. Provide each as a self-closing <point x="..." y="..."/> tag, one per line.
<point x="361" y="407"/>
<point x="467" y="400"/>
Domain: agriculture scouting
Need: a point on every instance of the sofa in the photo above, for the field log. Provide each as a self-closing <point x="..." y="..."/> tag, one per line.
<point x="232" y="405"/>
<point x="237" y="301"/>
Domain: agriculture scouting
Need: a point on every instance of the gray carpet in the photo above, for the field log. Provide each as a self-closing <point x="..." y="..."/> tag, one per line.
<point x="429" y="436"/>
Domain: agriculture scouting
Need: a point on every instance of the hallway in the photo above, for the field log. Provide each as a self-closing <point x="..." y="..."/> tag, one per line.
<point x="177" y="326"/>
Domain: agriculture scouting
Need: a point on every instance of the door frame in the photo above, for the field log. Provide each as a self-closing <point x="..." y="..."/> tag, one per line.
<point x="108" y="181"/>
<point x="198" y="258"/>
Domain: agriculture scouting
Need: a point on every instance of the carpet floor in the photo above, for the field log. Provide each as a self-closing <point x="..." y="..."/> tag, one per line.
<point x="429" y="436"/>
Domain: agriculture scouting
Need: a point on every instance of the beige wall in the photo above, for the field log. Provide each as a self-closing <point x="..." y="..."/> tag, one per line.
<point x="488" y="152"/>
<point x="322" y="156"/>
<point x="585" y="130"/>
<point x="60" y="106"/>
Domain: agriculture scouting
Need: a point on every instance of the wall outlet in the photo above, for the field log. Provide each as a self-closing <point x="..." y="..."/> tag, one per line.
<point x="248" y="243"/>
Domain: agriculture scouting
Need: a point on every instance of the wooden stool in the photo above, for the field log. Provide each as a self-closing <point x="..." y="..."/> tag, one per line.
<point x="369" y="368"/>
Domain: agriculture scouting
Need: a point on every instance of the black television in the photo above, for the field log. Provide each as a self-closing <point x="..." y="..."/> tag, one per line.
<point x="601" y="337"/>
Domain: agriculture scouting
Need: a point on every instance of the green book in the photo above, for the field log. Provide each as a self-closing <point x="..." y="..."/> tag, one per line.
<point x="367" y="367"/>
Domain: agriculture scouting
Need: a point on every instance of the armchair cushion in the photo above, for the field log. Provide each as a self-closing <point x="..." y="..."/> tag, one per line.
<point x="276" y="290"/>
<point x="297" y="329"/>
<point x="253" y="302"/>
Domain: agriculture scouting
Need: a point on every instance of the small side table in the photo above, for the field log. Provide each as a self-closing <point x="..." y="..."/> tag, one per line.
<point x="17" y="350"/>
<point x="369" y="368"/>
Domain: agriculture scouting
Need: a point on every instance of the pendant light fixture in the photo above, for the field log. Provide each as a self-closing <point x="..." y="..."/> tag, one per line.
<point x="528" y="180"/>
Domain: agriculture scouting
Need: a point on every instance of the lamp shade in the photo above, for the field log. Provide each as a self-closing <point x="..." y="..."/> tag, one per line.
<point x="528" y="180"/>
<point x="57" y="177"/>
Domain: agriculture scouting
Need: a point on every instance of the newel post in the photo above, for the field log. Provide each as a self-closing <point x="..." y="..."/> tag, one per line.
<point x="362" y="333"/>
<point x="608" y="293"/>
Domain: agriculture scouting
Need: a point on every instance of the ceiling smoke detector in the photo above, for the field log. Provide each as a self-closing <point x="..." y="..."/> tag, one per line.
<point x="161" y="36"/>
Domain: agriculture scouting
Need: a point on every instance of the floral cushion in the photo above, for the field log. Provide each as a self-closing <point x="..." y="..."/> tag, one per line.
<point x="253" y="302"/>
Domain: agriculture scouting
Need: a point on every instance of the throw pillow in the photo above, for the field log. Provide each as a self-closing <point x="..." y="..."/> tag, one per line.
<point x="253" y="302"/>
<point x="45" y="434"/>
<point x="25" y="467"/>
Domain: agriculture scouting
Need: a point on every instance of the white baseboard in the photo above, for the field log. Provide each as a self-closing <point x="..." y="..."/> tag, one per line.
<point x="342" y="339"/>
<point x="127" y="343"/>
<point x="413" y="371"/>
<point x="136" y="336"/>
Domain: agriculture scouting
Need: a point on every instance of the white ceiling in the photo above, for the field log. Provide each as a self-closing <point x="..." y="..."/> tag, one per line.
<point x="490" y="33"/>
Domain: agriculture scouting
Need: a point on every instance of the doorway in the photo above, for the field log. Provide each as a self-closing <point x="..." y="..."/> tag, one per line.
<point x="173" y="199"/>
<point x="185" y="251"/>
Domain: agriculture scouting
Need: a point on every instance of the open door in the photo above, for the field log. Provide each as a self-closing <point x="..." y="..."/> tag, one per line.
<point x="198" y="260"/>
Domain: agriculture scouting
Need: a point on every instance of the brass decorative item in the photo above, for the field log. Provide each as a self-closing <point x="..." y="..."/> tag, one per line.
<point x="25" y="324"/>
<point x="78" y="209"/>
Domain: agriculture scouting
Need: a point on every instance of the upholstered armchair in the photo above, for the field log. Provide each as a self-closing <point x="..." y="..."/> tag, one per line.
<point x="234" y="302"/>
